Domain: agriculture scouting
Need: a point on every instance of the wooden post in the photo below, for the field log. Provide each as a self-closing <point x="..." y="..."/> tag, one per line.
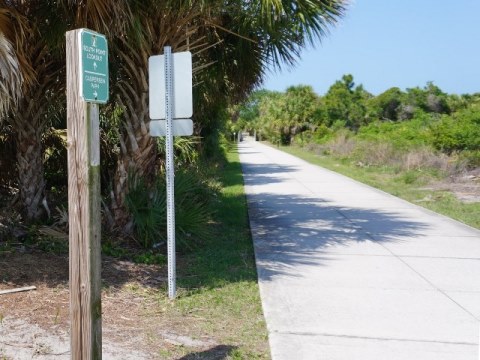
<point x="84" y="213"/>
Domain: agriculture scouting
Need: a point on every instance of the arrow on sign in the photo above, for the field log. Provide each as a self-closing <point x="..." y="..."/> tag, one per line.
<point x="95" y="94"/>
<point x="94" y="65"/>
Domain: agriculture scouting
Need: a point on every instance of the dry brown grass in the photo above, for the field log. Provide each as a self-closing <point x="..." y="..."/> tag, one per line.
<point x="426" y="158"/>
<point x="368" y="153"/>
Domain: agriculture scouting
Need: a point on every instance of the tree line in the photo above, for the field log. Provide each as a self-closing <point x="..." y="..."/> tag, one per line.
<point x="232" y="43"/>
<point x="418" y="116"/>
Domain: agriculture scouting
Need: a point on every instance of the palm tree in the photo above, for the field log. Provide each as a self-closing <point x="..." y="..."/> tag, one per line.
<point x="10" y="75"/>
<point x="33" y="46"/>
<point x="232" y="43"/>
<point x="152" y="26"/>
<point x="26" y="116"/>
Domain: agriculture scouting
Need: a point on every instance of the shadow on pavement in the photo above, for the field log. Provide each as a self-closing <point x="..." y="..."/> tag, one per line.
<point x="218" y="352"/>
<point x="266" y="174"/>
<point x="291" y="230"/>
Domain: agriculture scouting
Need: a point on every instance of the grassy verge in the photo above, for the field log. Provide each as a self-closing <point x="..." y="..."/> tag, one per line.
<point x="217" y="283"/>
<point x="409" y="185"/>
<point x="217" y="313"/>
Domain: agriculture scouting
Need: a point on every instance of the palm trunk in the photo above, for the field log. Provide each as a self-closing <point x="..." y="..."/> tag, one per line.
<point x="29" y="126"/>
<point x="138" y="150"/>
<point x="31" y="179"/>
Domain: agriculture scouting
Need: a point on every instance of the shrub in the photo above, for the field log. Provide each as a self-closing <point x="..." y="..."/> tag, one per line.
<point x="458" y="132"/>
<point x="192" y="211"/>
<point x="471" y="159"/>
<point x="402" y="135"/>
<point x="322" y="134"/>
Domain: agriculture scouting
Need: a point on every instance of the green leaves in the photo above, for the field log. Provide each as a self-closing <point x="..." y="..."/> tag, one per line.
<point x="460" y="131"/>
<point x="147" y="204"/>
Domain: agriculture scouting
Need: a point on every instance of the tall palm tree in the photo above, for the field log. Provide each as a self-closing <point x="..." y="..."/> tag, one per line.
<point x="152" y="25"/>
<point x="232" y="43"/>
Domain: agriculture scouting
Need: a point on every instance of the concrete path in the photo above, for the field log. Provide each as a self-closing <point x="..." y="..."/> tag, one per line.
<point x="349" y="272"/>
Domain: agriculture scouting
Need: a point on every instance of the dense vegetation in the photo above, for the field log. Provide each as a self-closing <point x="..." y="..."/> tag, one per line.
<point x="411" y="129"/>
<point x="232" y="44"/>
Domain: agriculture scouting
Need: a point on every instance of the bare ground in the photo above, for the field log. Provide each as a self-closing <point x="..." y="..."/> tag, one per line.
<point x="35" y="324"/>
<point x="465" y="186"/>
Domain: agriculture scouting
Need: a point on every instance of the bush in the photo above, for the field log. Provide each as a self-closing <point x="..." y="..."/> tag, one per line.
<point x="192" y="210"/>
<point x="458" y="132"/>
<point x="322" y="134"/>
<point x="402" y="135"/>
<point x="470" y="158"/>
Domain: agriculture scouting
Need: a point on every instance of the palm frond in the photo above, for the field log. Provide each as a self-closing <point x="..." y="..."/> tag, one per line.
<point x="10" y="76"/>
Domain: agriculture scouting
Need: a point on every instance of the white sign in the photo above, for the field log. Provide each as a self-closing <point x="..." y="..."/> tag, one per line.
<point x="182" y="86"/>
<point x="181" y="127"/>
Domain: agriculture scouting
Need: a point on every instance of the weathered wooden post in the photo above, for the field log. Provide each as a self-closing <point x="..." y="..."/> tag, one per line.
<point x="87" y="85"/>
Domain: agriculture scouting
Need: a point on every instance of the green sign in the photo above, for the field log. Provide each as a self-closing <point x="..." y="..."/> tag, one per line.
<point x="93" y="66"/>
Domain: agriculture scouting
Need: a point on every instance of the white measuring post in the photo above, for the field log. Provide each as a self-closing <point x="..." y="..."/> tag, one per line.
<point x="169" y="110"/>
<point x="170" y="107"/>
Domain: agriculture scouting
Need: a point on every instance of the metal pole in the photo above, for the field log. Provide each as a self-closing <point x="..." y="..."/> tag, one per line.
<point x="169" y="110"/>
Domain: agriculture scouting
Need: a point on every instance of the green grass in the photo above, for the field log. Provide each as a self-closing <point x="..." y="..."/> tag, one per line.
<point x="408" y="185"/>
<point x="217" y="283"/>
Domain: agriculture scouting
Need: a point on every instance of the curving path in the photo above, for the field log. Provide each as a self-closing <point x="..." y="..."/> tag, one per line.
<point x="349" y="272"/>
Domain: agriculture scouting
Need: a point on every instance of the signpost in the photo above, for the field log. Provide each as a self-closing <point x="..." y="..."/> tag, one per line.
<point x="87" y="85"/>
<point x="170" y="90"/>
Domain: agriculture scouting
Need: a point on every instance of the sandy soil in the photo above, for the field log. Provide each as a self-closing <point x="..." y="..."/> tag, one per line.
<point x="35" y="324"/>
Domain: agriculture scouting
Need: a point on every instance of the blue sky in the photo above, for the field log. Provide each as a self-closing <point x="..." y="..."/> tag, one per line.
<point x="386" y="43"/>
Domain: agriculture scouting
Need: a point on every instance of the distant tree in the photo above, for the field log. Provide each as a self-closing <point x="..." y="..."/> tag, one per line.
<point x="429" y="99"/>
<point x="283" y="115"/>
<point x="345" y="102"/>
<point x="301" y="105"/>
<point x="270" y="115"/>
<point x="460" y="102"/>
<point x="247" y="113"/>
<point x="387" y="104"/>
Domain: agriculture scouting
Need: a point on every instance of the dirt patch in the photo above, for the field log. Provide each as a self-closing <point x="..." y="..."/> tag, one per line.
<point x="465" y="186"/>
<point x="23" y="340"/>
<point x="35" y="324"/>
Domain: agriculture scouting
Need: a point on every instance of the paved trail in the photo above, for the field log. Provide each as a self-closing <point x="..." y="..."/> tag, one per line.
<point x="349" y="272"/>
